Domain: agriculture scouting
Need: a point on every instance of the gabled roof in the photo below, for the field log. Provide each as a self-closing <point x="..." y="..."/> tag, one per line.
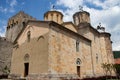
<point x="54" y="24"/>
<point x="70" y="31"/>
<point x="26" y="23"/>
<point x="70" y="23"/>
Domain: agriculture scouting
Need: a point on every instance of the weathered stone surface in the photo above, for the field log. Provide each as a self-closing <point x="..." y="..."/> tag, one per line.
<point x="5" y="55"/>
<point x="62" y="58"/>
<point x="16" y="24"/>
<point x="38" y="56"/>
<point x="52" y="49"/>
<point x="101" y="47"/>
<point x="81" y="17"/>
<point x="52" y="77"/>
<point x="55" y="16"/>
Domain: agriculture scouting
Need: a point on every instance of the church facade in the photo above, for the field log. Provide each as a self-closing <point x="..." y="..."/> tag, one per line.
<point x="56" y="49"/>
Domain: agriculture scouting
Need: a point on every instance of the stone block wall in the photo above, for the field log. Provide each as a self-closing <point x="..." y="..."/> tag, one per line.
<point x="63" y="54"/>
<point x="5" y="55"/>
<point x="109" y="49"/>
<point x="37" y="49"/>
<point x="98" y="49"/>
<point x="16" y="24"/>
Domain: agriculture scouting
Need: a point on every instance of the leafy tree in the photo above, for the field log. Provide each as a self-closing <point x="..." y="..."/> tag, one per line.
<point x="117" y="66"/>
<point x="105" y="68"/>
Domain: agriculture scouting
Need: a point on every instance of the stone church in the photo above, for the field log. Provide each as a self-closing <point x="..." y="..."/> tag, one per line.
<point x="57" y="50"/>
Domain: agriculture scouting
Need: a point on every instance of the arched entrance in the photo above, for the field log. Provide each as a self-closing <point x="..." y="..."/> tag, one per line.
<point x="26" y="65"/>
<point x="78" y="62"/>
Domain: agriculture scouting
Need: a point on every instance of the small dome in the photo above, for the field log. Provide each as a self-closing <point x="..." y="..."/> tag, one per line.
<point x="55" y="16"/>
<point x="81" y="17"/>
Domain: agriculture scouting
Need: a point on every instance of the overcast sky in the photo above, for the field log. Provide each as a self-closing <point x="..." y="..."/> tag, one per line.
<point x="106" y="12"/>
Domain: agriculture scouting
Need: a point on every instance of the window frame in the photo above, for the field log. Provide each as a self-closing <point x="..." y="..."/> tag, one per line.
<point x="77" y="46"/>
<point x="28" y="36"/>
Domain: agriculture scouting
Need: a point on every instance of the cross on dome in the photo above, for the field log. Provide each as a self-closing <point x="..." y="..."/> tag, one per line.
<point x="53" y="7"/>
<point x="80" y="8"/>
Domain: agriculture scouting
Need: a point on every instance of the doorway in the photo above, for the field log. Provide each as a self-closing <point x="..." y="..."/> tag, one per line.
<point x="26" y="69"/>
<point x="78" y="71"/>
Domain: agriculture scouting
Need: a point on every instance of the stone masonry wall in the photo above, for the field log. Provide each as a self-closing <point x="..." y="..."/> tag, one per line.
<point x="5" y="55"/>
<point x="109" y="49"/>
<point x="16" y="24"/>
<point x="37" y="49"/>
<point x="97" y="48"/>
<point x="96" y="52"/>
<point x="63" y="55"/>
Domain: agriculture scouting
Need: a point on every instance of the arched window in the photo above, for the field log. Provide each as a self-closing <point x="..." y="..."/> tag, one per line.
<point x="78" y="61"/>
<point x="16" y="22"/>
<point x="8" y="27"/>
<point x="11" y="26"/>
<point x="26" y="58"/>
<point x="52" y="16"/>
<point x="28" y="36"/>
<point x="57" y="17"/>
<point x="23" y="24"/>
<point x="40" y="37"/>
<point x="77" y="46"/>
<point x="96" y="58"/>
